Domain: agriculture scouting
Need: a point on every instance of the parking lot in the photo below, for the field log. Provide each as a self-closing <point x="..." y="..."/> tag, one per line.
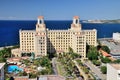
<point x="113" y="46"/>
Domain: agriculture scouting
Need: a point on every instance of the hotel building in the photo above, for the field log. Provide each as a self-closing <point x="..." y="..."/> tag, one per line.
<point x="116" y="37"/>
<point x="43" y="40"/>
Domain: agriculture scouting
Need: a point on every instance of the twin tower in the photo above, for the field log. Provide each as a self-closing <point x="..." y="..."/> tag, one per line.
<point x="75" y="26"/>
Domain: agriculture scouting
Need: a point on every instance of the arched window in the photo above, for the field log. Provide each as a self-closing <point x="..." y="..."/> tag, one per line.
<point x="77" y="21"/>
<point x="40" y="21"/>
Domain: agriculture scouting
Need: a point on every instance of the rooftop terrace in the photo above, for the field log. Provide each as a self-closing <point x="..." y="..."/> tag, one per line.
<point x="113" y="46"/>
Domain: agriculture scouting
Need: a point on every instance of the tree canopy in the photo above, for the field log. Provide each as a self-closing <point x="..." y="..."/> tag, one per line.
<point x="105" y="59"/>
<point x="116" y="61"/>
<point x="5" y="53"/>
<point x="104" y="69"/>
<point x="96" y="62"/>
<point x="92" y="53"/>
<point x="70" y="50"/>
<point x="105" y="48"/>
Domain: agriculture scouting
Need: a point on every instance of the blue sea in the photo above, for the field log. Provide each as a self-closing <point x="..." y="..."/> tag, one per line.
<point x="9" y="29"/>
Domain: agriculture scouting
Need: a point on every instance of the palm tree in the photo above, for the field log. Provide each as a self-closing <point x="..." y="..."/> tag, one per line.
<point x="70" y="50"/>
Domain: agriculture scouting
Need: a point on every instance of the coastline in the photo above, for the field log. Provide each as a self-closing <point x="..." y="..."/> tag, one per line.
<point x="5" y="47"/>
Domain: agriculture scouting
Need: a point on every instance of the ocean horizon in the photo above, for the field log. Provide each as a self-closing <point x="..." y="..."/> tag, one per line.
<point x="9" y="29"/>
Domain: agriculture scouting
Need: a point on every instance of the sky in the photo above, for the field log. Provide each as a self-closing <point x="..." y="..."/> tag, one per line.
<point x="59" y="9"/>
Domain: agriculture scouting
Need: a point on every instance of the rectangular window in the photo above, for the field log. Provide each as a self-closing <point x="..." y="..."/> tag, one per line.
<point x="40" y="41"/>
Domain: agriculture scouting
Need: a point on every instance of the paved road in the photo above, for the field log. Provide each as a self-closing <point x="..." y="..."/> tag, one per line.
<point x="96" y="70"/>
<point x="54" y="66"/>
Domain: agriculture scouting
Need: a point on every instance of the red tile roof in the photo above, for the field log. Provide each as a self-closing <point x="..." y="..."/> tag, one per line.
<point x="40" y="17"/>
<point x="105" y="53"/>
<point x="60" y="51"/>
<point x="76" y="17"/>
<point x="16" y="59"/>
<point x="21" y="78"/>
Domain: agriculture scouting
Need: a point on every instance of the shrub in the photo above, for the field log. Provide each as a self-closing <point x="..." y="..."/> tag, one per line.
<point x="96" y="62"/>
<point x="104" y="69"/>
<point x="105" y="60"/>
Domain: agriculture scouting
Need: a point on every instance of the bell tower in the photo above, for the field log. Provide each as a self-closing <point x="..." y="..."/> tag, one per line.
<point x="40" y="38"/>
<point x="76" y="20"/>
<point x="40" y="26"/>
<point x="76" y="26"/>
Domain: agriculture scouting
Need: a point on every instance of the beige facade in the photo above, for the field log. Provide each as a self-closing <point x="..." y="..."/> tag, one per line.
<point x="43" y="40"/>
<point x="113" y="71"/>
<point x="15" y="52"/>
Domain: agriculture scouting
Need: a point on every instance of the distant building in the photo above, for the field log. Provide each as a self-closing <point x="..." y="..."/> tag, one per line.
<point x="113" y="71"/>
<point x="43" y="40"/>
<point x="116" y="37"/>
<point x="113" y="46"/>
<point x="2" y="71"/>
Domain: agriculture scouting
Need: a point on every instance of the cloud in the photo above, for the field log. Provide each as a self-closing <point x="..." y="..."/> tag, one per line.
<point x="2" y="17"/>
